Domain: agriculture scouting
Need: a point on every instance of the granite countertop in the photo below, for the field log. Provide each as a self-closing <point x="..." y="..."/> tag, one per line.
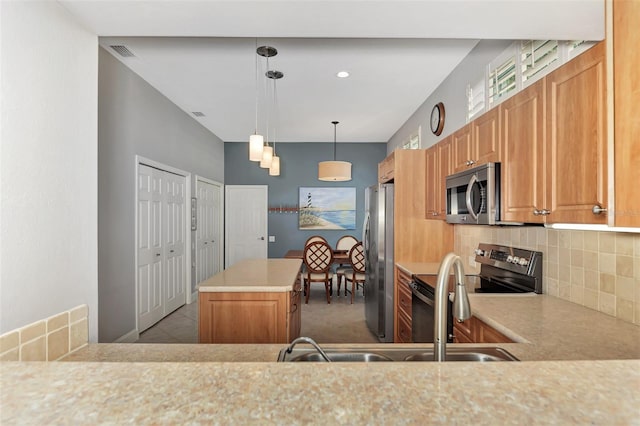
<point x="585" y="392"/>
<point x="255" y="275"/>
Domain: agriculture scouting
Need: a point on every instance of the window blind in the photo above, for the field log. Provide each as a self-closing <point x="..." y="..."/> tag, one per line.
<point x="536" y="56"/>
<point x="502" y="80"/>
<point x="475" y="98"/>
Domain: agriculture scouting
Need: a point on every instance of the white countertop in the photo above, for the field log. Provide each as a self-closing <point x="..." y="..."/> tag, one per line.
<point x="255" y="275"/>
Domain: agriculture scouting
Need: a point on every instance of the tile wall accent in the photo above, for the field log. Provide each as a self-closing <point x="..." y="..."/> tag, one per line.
<point x="49" y="339"/>
<point x="599" y="270"/>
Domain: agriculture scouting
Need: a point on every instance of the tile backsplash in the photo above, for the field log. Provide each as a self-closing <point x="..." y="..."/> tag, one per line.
<point x="49" y="339"/>
<point x="599" y="270"/>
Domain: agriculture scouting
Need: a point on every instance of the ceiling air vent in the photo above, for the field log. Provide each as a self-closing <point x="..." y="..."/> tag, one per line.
<point x="198" y="113"/>
<point x="123" y="51"/>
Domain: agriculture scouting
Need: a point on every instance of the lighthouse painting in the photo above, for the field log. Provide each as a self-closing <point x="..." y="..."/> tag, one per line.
<point x="327" y="208"/>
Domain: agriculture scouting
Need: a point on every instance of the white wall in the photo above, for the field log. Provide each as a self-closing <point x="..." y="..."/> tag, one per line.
<point x="136" y="119"/>
<point x="453" y="93"/>
<point x="48" y="175"/>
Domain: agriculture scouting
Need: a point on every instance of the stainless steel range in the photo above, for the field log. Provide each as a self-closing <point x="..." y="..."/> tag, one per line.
<point x="503" y="269"/>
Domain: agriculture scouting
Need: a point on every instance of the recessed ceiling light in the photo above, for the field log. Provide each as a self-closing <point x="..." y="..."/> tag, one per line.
<point x="343" y="74"/>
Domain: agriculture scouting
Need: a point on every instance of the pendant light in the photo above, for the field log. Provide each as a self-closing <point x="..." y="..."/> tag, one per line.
<point x="256" y="141"/>
<point x="334" y="171"/>
<point x="274" y="170"/>
<point x="267" y="151"/>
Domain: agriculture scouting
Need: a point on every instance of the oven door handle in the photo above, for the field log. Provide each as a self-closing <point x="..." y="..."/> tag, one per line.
<point x="419" y="295"/>
<point x="467" y="197"/>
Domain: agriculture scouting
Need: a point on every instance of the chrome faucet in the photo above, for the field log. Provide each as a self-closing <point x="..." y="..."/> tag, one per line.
<point x="310" y="341"/>
<point x="461" y="307"/>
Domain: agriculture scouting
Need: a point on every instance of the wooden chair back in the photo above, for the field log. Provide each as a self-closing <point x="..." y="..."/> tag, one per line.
<point x="314" y="238"/>
<point x="356" y="257"/>
<point x="346" y="242"/>
<point x="318" y="257"/>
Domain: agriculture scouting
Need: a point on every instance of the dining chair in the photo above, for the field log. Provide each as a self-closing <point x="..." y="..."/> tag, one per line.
<point x="317" y="257"/>
<point x="344" y="243"/>
<point x="314" y="238"/>
<point x="356" y="275"/>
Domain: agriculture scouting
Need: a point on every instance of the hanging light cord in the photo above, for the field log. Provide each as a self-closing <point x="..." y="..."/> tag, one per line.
<point x="256" y="128"/>
<point x="266" y="96"/>
<point x="275" y="115"/>
<point x="335" y="125"/>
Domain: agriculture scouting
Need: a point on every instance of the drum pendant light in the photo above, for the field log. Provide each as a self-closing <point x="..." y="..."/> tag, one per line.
<point x="334" y="171"/>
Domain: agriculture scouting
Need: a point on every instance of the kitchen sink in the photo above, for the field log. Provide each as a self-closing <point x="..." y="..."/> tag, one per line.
<point x="391" y="354"/>
<point x="341" y="357"/>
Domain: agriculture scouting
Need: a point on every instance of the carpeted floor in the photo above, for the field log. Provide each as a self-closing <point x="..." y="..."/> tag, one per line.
<point x="338" y="322"/>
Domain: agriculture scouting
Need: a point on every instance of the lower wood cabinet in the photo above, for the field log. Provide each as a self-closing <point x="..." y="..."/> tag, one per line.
<point x="403" y="308"/>
<point x="475" y="330"/>
<point x="249" y="317"/>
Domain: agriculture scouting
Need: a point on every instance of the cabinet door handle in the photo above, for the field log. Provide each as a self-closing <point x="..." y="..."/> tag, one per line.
<point x="545" y="212"/>
<point x="598" y="209"/>
<point x="536" y="212"/>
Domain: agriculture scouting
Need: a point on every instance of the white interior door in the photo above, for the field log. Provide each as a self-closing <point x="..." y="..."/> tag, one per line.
<point x="174" y="294"/>
<point x="209" y="229"/>
<point x="150" y="248"/>
<point x="245" y="222"/>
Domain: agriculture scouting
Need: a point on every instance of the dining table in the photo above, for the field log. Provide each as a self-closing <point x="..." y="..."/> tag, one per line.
<point x="339" y="256"/>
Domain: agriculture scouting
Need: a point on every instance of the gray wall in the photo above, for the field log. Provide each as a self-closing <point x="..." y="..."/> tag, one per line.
<point x="135" y="119"/>
<point x="299" y="167"/>
<point x="453" y="93"/>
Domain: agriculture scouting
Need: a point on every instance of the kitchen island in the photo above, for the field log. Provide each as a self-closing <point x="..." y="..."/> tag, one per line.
<point x="253" y="301"/>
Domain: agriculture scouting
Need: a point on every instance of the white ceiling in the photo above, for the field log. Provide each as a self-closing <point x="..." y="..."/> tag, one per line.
<point x="200" y="54"/>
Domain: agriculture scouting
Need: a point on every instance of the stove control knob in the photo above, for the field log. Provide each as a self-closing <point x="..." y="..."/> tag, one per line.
<point x="523" y="262"/>
<point x="479" y="252"/>
<point x="510" y="259"/>
<point x="515" y="260"/>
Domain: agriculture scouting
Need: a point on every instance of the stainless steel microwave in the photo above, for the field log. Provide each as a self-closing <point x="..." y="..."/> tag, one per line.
<point x="473" y="196"/>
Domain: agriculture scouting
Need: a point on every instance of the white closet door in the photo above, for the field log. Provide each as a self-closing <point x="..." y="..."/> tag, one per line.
<point x="208" y="239"/>
<point x="150" y="248"/>
<point x="174" y="294"/>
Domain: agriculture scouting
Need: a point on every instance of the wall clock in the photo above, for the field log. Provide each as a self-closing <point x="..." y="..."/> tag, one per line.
<point x="437" y="118"/>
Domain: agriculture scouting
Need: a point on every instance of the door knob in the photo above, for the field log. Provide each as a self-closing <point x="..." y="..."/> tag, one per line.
<point x="598" y="209"/>
<point x="261" y="238"/>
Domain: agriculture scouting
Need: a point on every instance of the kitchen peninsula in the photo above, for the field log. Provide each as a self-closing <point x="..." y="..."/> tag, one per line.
<point x="253" y="301"/>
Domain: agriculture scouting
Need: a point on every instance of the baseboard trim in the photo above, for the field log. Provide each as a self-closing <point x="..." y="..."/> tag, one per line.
<point x="130" y="337"/>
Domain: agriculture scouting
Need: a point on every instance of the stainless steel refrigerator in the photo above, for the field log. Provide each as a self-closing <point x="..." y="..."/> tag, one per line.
<point x="378" y="247"/>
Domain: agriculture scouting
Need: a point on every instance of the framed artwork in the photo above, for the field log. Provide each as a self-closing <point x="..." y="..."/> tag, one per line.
<point x="327" y="208"/>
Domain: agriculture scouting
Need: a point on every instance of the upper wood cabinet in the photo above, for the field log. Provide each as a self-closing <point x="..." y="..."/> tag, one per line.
<point x="432" y="186"/>
<point x="576" y="157"/>
<point x="486" y="138"/>
<point x="478" y="142"/>
<point x="523" y="155"/>
<point x="386" y="169"/>
<point x="461" y="148"/>
<point x="438" y="168"/>
<point x="626" y="82"/>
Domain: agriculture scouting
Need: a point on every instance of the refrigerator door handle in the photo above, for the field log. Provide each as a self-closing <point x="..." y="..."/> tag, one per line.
<point x="365" y="232"/>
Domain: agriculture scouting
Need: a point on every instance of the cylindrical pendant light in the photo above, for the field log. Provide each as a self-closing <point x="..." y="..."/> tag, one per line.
<point x="334" y="171"/>
<point x="256" y="142"/>
<point x="267" y="156"/>
<point x="274" y="170"/>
